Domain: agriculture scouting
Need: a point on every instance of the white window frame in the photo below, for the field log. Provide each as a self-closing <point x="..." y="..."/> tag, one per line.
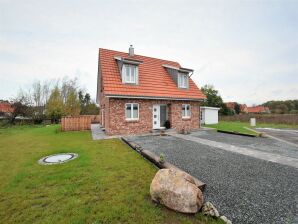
<point x="184" y="109"/>
<point x="131" y="118"/>
<point x="133" y="78"/>
<point x="183" y="82"/>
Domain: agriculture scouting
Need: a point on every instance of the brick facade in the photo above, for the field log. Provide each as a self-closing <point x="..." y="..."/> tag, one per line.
<point x="113" y="110"/>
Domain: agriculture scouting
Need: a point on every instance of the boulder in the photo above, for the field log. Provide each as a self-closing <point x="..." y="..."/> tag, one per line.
<point x="209" y="209"/>
<point x="176" y="190"/>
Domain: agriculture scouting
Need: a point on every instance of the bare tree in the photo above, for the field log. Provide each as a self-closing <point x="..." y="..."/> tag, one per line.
<point x="46" y="89"/>
<point x="68" y="86"/>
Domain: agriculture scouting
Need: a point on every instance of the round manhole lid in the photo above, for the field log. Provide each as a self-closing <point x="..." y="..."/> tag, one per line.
<point x="57" y="158"/>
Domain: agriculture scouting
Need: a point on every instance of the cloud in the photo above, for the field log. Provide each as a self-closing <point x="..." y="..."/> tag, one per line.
<point x="247" y="50"/>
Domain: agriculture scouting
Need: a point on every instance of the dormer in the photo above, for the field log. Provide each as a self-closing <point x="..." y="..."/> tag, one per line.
<point x="180" y="76"/>
<point x="129" y="68"/>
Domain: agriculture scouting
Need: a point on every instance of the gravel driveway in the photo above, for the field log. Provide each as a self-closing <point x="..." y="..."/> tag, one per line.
<point x="245" y="189"/>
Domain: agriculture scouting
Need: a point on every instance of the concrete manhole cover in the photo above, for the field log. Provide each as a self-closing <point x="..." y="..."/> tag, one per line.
<point x="57" y="158"/>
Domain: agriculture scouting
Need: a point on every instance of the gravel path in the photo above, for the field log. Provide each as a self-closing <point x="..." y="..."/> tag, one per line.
<point x="245" y="189"/>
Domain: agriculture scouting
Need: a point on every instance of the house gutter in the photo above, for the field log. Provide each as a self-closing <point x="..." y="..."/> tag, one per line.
<point x="152" y="98"/>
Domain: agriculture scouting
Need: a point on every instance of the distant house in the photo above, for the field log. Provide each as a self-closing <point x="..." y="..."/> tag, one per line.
<point x="243" y="108"/>
<point x="5" y="107"/>
<point x="138" y="94"/>
<point x="258" y="110"/>
<point x="231" y="106"/>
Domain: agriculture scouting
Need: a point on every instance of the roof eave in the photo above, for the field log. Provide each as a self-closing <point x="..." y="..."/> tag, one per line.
<point x="177" y="68"/>
<point x="153" y="97"/>
<point x="128" y="60"/>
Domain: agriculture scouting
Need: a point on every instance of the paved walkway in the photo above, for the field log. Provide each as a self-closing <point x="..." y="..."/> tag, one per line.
<point x="272" y="157"/>
<point x="286" y="135"/>
<point x="98" y="133"/>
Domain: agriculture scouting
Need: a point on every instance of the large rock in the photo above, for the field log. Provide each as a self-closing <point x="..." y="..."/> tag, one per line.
<point x="176" y="190"/>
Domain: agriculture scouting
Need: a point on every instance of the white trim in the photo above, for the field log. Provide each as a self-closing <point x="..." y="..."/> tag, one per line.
<point x="186" y="110"/>
<point x="170" y="66"/>
<point x="188" y="70"/>
<point x="158" y="126"/>
<point x="157" y="120"/>
<point x="132" y="77"/>
<point x="151" y="98"/>
<point x="129" y="61"/>
<point x="211" y="108"/>
<point x="182" y="76"/>
<point x="131" y="112"/>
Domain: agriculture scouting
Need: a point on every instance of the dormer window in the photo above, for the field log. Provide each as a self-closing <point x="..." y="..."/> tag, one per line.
<point x="182" y="80"/>
<point x="129" y="69"/>
<point x="180" y="75"/>
<point x="130" y="74"/>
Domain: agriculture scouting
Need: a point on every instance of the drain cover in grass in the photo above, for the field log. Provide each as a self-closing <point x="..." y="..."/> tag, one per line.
<point x="57" y="158"/>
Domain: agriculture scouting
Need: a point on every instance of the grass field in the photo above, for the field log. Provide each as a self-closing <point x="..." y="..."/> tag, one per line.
<point x="232" y="126"/>
<point x="107" y="183"/>
<point x="240" y="126"/>
<point x="280" y="126"/>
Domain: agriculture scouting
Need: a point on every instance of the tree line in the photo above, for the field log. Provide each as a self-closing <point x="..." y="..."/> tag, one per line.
<point x="52" y="100"/>
<point x="276" y="107"/>
<point x="282" y="107"/>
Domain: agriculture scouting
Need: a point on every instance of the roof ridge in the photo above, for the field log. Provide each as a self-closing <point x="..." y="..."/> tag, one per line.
<point x="140" y="56"/>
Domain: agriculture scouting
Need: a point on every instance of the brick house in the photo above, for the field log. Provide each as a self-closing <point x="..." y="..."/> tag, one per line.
<point x="5" y="107"/>
<point x="258" y="110"/>
<point x="137" y="94"/>
<point x="231" y="105"/>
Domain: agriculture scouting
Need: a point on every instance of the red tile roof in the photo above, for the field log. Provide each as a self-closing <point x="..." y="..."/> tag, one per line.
<point x="258" y="109"/>
<point x="154" y="80"/>
<point x="5" y="107"/>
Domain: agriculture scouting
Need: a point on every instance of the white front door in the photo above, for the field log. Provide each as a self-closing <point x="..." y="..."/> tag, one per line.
<point x="156" y="116"/>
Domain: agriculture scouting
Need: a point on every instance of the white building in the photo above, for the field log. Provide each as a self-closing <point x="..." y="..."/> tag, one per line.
<point x="209" y="115"/>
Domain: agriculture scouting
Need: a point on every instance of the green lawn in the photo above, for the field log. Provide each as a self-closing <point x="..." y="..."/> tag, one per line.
<point x="107" y="183"/>
<point x="232" y="126"/>
<point x="280" y="126"/>
<point x="240" y="126"/>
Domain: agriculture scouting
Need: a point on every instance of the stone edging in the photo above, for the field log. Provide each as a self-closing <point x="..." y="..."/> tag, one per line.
<point x="236" y="133"/>
<point x="152" y="157"/>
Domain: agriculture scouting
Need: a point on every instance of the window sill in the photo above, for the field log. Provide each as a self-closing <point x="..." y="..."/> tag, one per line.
<point x="186" y="118"/>
<point x="131" y="120"/>
<point x="130" y="83"/>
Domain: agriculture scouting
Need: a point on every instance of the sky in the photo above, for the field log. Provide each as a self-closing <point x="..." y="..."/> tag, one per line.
<point x="248" y="50"/>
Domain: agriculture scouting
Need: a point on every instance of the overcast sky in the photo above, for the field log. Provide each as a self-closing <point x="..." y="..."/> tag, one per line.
<point x="247" y="49"/>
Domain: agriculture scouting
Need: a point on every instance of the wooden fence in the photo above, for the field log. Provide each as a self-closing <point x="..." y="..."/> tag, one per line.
<point x="78" y="123"/>
<point x="94" y="119"/>
<point x="264" y="118"/>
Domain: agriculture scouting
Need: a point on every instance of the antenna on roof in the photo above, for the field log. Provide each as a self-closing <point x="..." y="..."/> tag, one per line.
<point x="131" y="51"/>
